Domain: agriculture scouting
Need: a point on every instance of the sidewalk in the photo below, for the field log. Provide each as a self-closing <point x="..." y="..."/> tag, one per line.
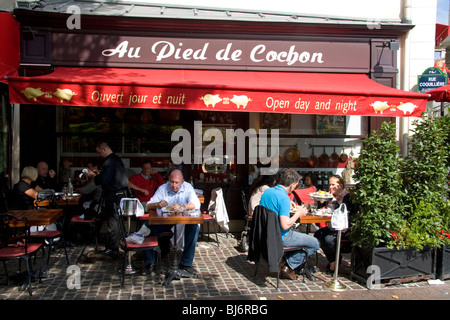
<point x="224" y="274"/>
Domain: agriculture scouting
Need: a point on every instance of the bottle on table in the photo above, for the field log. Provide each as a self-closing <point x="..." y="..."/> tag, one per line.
<point x="70" y="188"/>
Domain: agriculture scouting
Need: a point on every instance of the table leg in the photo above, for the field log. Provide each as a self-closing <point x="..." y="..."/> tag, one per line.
<point x="335" y="284"/>
<point x="175" y="272"/>
<point x="129" y="269"/>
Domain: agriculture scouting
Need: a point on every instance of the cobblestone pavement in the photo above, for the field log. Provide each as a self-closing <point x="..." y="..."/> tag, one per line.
<point x="223" y="273"/>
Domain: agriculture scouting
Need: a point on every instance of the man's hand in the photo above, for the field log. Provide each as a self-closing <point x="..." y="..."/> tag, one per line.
<point x="51" y="173"/>
<point x="179" y="207"/>
<point x="301" y="211"/>
<point x="162" y="203"/>
<point x="91" y="173"/>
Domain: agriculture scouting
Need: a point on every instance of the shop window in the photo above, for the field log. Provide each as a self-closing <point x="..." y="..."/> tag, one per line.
<point x="128" y="131"/>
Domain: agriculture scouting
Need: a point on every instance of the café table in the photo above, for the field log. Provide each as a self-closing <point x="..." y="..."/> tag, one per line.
<point x="35" y="217"/>
<point x="41" y="217"/>
<point x="158" y="217"/>
<point x="68" y="200"/>
<point x="309" y="219"/>
<point x="201" y="198"/>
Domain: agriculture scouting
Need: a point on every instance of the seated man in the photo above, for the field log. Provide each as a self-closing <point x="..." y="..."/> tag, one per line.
<point x="183" y="197"/>
<point x="277" y="200"/>
<point x="146" y="182"/>
<point x="46" y="178"/>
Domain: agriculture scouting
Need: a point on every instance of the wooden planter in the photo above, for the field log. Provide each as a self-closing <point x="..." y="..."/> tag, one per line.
<point x="443" y="263"/>
<point x="393" y="263"/>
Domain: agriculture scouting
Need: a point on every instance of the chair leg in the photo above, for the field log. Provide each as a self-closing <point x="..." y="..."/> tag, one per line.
<point x="81" y="252"/>
<point x="50" y="245"/>
<point x="158" y="264"/>
<point x="6" y="273"/>
<point x="123" y="268"/>
<point x="65" y="250"/>
<point x="95" y="229"/>
<point x="30" y="289"/>
<point x="278" y="280"/>
<point x="214" y="226"/>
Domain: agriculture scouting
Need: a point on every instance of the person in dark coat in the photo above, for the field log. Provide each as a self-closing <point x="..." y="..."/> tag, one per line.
<point x="265" y="238"/>
<point x="46" y="178"/>
<point x="114" y="181"/>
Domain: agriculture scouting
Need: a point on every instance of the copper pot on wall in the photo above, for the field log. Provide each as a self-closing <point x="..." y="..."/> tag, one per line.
<point x="324" y="157"/>
<point x="313" y="161"/>
<point x="292" y="155"/>
<point x="343" y="157"/>
<point x="334" y="156"/>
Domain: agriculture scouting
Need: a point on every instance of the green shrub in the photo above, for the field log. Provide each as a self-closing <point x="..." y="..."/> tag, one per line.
<point x="403" y="202"/>
<point x="378" y="193"/>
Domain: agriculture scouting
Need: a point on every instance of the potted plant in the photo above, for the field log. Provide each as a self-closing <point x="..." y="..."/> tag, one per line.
<point x="443" y="253"/>
<point x="399" y="221"/>
<point x="426" y="178"/>
<point x="378" y="192"/>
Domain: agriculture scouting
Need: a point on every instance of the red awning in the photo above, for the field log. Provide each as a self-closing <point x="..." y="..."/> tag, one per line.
<point x="441" y="94"/>
<point x="248" y="91"/>
<point x="10" y="40"/>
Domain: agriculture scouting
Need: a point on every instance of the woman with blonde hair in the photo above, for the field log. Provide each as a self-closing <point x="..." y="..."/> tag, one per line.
<point x="23" y="195"/>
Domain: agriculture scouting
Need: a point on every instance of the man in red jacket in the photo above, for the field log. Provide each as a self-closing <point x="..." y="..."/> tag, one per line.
<point x="146" y="182"/>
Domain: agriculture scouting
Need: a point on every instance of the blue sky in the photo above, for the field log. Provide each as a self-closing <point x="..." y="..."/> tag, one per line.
<point x="442" y="11"/>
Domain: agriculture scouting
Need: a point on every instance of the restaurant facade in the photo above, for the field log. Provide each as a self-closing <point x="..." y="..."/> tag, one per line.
<point x="302" y="92"/>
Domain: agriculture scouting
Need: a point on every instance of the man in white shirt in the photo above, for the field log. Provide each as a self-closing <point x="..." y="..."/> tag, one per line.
<point x="181" y="195"/>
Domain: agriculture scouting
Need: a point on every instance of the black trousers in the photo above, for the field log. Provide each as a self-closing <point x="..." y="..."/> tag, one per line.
<point x="328" y="241"/>
<point x="112" y="202"/>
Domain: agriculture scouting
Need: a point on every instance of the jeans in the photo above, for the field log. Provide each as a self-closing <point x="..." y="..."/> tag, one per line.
<point x="294" y="239"/>
<point x="190" y="241"/>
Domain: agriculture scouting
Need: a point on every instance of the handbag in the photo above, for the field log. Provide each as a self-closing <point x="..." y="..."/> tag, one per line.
<point x="46" y="194"/>
<point x="45" y="198"/>
<point x="339" y="219"/>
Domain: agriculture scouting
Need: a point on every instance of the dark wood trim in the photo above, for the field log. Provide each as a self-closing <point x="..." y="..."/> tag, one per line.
<point x="190" y="26"/>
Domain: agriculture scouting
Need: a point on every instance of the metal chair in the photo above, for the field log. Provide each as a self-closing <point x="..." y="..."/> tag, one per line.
<point x="46" y="199"/>
<point x="150" y="243"/>
<point x="47" y="238"/>
<point x="216" y="213"/>
<point x="248" y="222"/>
<point x="209" y="219"/>
<point x="14" y="245"/>
<point x="88" y="227"/>
<point x="265" y="241"/>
